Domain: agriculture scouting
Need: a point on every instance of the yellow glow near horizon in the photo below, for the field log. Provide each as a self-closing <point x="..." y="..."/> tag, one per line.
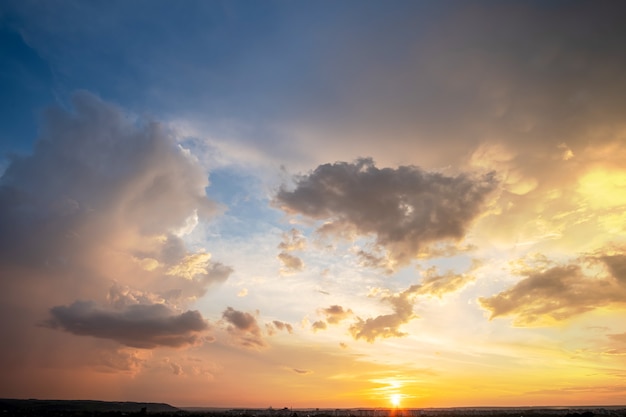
<point x="395" y="400"/>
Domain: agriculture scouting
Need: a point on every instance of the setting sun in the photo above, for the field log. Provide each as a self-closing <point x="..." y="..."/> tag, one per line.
<point x="395" y="400"/>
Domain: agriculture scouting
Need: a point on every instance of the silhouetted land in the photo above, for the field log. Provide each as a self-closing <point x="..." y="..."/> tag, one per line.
<point x="82" y="408"/>
<point x="10" y="407"/>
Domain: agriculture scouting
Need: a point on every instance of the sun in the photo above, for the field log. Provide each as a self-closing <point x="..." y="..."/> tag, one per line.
<point x="395" y="400"/>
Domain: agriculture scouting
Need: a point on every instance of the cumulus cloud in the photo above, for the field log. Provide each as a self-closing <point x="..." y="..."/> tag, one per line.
<point x="92" y="172"/>
<point x="386" y="325"/>
<point x="139" y="325"/>
<point x="244" y="328"/>
<point x="96" y="212"/>
<point x="405" y="208"/>
<point x="551" y="292"/>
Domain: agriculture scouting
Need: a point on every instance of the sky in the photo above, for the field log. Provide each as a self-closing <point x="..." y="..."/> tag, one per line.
<point x="313" y="203"/>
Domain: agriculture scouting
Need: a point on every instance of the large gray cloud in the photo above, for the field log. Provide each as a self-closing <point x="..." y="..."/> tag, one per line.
<point x="139" y="325"/>
<point x="556" y="292"/>
<point x="405" y="208"/>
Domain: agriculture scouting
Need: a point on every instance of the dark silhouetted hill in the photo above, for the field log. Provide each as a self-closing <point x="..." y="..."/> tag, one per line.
<point x="11" y="407"/>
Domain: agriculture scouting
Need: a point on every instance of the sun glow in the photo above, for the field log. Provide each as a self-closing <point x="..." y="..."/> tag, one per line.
<point x="395" y="400"/>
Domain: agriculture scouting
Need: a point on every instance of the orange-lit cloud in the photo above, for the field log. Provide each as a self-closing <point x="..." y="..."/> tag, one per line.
<point x="557" y="292"/>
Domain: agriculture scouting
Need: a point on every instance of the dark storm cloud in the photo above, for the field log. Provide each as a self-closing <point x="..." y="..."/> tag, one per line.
<point x="404" y="208"/>
<point x="139" y="325"/>
<point x="561" y="291"/>
<point x="244" y="328"/>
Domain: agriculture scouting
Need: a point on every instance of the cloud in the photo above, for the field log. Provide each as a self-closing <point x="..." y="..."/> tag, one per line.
<point x="617" y="344"/>
<point x="405" y="209"/>
<point x="386" y="325"/>
<point x="91" y="173"/>
<point x="333" y="314"/>
<point x="140" y="326"/>
<point x="243" y="327"/>
<point x="191" y="265"/>
<point x="556" y="292"/>
<point x="620" y="338"/>
<point x="120" y="360"/>
<point x="95" y="213"/>
<point x="319" y="325"/>
<point x="280" y="325"/>
<point x="291" y="263"/>
<point x="292" y="241"/>
<point x="336" y="313"/>
<point x="435" y="284"/>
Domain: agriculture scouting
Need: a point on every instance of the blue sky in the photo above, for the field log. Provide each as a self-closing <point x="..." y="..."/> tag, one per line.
<point x="333" y="204"/>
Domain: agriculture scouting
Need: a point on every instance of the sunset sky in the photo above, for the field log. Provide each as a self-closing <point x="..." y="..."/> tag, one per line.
<point x="313" y="203"/>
